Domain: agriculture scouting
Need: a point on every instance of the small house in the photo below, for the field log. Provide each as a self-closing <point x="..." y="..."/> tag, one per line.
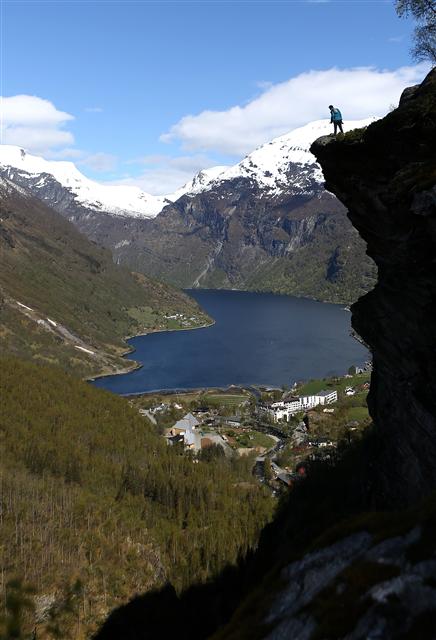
<point x="187" y="428"/>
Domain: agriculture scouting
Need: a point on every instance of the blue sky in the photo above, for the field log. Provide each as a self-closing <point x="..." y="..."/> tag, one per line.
<point x="149" y="92"/>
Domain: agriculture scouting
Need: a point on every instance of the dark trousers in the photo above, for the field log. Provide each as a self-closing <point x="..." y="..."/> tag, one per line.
<point x="336" y="124"/>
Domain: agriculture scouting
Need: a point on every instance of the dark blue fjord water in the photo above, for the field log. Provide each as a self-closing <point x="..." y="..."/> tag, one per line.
<point x="257" y="338"/>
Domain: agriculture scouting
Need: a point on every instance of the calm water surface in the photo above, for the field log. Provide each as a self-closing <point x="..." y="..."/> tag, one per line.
<point x="258" y="338"/>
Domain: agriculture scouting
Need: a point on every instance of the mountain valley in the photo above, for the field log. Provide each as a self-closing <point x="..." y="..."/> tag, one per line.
<point x="217" y="320"/>
<point x="265" y="224"/>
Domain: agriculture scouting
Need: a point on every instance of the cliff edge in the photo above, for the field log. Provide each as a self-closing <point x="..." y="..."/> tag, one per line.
<point x="386" y="175"/>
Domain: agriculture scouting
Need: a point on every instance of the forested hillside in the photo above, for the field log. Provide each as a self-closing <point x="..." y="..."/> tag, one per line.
<point x="63" y="300"/>
<point x="96" y="508"/>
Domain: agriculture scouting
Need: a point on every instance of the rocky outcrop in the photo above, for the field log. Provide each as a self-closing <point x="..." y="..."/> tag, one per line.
<point x="368" y="578"/>
<point x="385" y="175"/>
<point x="363" y="576"/>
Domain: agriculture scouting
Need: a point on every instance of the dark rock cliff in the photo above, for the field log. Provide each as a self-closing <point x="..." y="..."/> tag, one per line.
<point x="385" y="175"/>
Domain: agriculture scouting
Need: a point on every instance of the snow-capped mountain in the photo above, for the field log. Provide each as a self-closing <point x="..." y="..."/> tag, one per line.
<point x="268" y="166"/>
<point x="266" y="223"/>
<point x="22" y="167"/>
<point x="199" y="183"/>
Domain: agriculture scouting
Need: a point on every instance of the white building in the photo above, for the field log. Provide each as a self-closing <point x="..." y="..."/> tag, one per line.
<point x="308" y="402"/>
<point x="282" y="410"/>
<point x="327" y="397"/>
<point x="285" y="410"/>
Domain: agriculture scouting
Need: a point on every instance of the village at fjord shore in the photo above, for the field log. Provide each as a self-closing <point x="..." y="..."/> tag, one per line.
<point x="279" y="431"/>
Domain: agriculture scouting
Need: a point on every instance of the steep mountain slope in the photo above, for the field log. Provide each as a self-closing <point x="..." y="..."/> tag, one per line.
<point x="266" y="223"/>
<point x="96" y="507"/>
<point x="62" y="298"/>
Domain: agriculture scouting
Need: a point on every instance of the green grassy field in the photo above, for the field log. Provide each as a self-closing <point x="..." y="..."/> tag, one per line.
<point x="358" y="413"/>
<point x="262" y="440"/>
<point x="340" y="384"/>
<point x="223" y="399"/>
<point x="248" y="439"/>
<point x="191" y="399"/>
<point x="311" y="387"/>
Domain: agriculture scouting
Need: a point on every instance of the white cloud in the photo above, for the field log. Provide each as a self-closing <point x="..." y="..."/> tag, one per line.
<point x="33" y="123"/>
<point x="37" y="125"/>
<point x="359" y="92"/>
<point x="164" y="174"/>
<point x="100" y="162"/>
<point x="68" y="153"/>
<point x="32" y="110"/>
<point x="36" y="139"/>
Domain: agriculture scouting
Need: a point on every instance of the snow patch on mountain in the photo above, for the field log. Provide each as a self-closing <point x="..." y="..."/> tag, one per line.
<point x="118" y="200"/>
<point x="199" y="182"/>
<point x="269" y="164"/>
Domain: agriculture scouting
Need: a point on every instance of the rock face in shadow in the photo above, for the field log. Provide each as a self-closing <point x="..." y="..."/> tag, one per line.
<point x="385" y="175"/>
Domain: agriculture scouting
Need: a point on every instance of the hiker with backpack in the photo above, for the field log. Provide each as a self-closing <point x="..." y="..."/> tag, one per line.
<point x="336" y="118"/>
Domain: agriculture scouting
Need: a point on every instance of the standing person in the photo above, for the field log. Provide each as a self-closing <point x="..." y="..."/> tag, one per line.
<point x="336" y="118"/>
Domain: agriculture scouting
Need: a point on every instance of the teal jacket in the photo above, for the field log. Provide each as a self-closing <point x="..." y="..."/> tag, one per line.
<point x="336" y="115"/>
